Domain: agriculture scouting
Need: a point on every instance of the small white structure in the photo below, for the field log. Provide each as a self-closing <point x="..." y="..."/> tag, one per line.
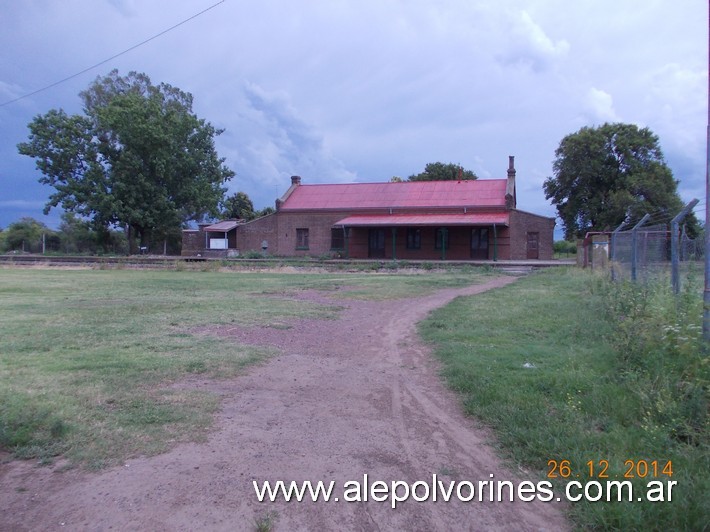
<point x="222" y="229"/>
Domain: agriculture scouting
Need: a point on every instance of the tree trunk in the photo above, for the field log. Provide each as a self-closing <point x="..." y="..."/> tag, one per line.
<point x="131" y="234"/>
<point x="142" y="240"/>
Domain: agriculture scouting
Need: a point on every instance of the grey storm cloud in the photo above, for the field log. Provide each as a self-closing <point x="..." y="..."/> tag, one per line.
<point x="362" y="91"/>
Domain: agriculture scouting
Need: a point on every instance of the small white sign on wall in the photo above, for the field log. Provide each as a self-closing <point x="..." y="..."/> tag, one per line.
<point x="218" y="243"/>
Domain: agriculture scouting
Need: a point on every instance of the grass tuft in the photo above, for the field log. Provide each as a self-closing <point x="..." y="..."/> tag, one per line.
<point x="266" y="522"/>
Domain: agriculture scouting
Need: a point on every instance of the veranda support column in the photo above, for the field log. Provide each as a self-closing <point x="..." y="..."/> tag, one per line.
<point x="394" y="243"/>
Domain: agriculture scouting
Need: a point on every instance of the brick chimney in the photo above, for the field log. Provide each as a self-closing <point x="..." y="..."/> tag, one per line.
<point x="295" y="182"/>
<point x="510" y="201"/>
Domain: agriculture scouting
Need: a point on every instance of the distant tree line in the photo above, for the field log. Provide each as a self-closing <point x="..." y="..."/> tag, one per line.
<point x="77" y="236"/>
<point x="73" y="236"/>
<point x="137" y="166"/>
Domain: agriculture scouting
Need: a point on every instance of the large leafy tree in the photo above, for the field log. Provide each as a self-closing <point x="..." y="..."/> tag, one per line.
<point x="610" y="174"/>
<point x="137" y="157"/>
<point x="443" y="172"/>
<point x="238" y="206"/>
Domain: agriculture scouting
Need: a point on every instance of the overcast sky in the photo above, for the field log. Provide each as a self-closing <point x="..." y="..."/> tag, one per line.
<point x="356" y="91"/>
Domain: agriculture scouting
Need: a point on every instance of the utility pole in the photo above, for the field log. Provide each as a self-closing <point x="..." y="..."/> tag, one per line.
<point x="706" y="293"/>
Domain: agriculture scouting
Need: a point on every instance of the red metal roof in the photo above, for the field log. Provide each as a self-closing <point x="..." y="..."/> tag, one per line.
<point x="222" y="227"/>
<point x="393" y="220"/>
<point x="418" y="194"/>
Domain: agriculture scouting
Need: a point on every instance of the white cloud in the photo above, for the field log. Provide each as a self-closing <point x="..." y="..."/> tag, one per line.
<point x="271" y="142"/>
<point x="528" y="44"/>
<point x="9" y="91"/>
<point x="600" y="104"/>
<point x="125" y="7"/>
<point x="676" y="102"/>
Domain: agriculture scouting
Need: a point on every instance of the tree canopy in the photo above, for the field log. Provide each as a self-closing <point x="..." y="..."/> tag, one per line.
<point x="443" y="172"/>
<point x="25" y="235"/>
<point x="238" y="206"/>
<point x="138" y="157"/>
<point x="610" y="174"/>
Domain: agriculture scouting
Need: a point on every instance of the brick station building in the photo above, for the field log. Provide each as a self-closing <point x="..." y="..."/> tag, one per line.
<point x="420" y="220"/>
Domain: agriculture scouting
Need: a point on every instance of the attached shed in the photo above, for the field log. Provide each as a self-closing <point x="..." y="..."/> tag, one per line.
<point x="222" y="235"/>
<point x="211" y="240"/>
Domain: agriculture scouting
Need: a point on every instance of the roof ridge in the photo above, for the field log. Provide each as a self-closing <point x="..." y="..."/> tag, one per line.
<point x="404" y="182"/>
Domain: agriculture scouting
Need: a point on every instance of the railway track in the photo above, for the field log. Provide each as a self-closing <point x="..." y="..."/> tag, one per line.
<point x="173" y="262"/>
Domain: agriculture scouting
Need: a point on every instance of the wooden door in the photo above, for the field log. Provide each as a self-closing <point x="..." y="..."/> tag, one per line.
<point x="533" y="247"/>
<point x="479" y="243"/>
<point x="376" y="243"/>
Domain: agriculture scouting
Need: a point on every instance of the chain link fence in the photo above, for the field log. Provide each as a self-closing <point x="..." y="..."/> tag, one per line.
<point x="691" y="249"/>
<point x="642" y="254"/>
<point x="646" y="252"/>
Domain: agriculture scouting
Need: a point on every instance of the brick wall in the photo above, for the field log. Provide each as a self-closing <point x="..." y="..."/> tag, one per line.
<point x="251" y="235"/>
<point x="319" y="235"/>
<point x="522" y="223"/>
<point x="193" y="241"/>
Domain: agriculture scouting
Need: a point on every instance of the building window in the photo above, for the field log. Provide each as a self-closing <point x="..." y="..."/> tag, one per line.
<point x="337" y="238"/>
<point x="302" y="238"/>
<point x="414" y="238"/>
<point x="442" y="238"/>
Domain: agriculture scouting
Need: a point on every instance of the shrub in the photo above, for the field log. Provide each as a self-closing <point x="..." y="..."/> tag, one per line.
<point x="565" y="247"/>
<point x="661" y="357"/>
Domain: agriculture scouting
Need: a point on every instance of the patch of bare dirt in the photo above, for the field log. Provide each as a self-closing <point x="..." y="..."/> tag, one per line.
<point x="349" y="396"/>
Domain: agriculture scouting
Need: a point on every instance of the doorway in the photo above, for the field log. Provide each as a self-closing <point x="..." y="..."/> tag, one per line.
<point x="533" y="246"/>
<point x="376" y="243"/>
<point x="479" y="243"/>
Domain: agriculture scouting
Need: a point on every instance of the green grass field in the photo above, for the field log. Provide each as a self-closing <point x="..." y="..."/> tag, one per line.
<point x="565" y="366"/>
<point x="562" y="365"/>
<point x="87" y="356"/>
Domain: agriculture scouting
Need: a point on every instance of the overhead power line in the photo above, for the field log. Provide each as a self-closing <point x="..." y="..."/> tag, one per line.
<point x="112" y="57"/>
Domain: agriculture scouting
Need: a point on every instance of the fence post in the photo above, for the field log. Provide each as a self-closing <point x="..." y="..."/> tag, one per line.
<point x="675" y="259"/>
<point x="634" y="245"/>
<point x="683" y="246"/>
<point x="612" y="250"/>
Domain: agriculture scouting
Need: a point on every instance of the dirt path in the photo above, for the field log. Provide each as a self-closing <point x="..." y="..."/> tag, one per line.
<point x="352" y="396"/>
